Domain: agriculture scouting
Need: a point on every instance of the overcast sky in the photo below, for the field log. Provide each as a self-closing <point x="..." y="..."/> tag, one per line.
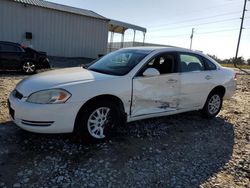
<point x="170" y="22"/>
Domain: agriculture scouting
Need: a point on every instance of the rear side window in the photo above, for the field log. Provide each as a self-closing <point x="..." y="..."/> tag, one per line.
<point x="190" y="63"/>
<point x="9" y="48"/>
<point x="209" y="64"/>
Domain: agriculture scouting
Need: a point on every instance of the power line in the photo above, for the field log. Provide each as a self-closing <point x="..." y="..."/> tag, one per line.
<point x="204" y="23"/>
<point x="217" y="6"/>
<point x="197" y="33"/>
<point x="221" y="5"/>
<point x="192" y="20"/>
<point x="196" y="25"/>
<point x="219" y="31"/>
<point x="208" y="8"/>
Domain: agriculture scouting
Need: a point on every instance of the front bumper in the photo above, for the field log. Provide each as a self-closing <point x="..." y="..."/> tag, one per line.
<point x="43" y="118"/>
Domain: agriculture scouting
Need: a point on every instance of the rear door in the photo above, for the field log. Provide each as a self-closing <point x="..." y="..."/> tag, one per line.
<point x="157" y="94"/>
<point x="195" y="80"/>
<point x="11" y="56"/>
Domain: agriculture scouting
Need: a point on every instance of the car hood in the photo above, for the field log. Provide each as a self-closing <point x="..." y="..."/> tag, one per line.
<point x="57" y="78"/>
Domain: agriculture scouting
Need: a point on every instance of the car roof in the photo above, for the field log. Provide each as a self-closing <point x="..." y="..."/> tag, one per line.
<point x="166" y="49"/>
<point x="7" y="42"/>
<point x="161" y="48"/>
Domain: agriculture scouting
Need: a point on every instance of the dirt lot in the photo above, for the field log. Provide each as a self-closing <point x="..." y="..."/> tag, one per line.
<point x="177" y="151"/>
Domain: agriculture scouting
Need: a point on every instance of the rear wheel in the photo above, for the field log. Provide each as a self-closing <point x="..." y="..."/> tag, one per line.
<point x="97" y="121"/>
<point x="213" y="104"/>
<point x="29" y="67"/>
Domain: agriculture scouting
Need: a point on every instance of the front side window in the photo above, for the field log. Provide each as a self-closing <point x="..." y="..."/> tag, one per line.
<point x="164" y="63"/>
<point x="119" y="62"/>
<point x="190" y="63"/>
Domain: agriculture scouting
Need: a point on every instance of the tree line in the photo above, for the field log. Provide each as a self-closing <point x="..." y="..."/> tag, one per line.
<point x="239" y="60"/>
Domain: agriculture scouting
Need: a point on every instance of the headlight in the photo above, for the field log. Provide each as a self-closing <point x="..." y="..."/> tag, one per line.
<point x="51" y="96"/>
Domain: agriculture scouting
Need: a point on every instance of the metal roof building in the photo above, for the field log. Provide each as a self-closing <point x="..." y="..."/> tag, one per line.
<point x="57" y="29"/>
<point x="54" y="6"/>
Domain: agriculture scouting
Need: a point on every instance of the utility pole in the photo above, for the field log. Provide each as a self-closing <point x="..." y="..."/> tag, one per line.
<point x="241" y="27"/>
<point x="191" y="38"/>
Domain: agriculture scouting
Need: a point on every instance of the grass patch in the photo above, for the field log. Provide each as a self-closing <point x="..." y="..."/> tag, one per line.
<point x="232" y="66"/>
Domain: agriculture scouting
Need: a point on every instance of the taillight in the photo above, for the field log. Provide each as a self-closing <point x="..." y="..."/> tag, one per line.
<point x="235" y="76"/>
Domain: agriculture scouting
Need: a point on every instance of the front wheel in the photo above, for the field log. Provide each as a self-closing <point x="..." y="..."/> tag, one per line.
<point x="97" y="121"/>
<point x="29" y="67"/>
<point x="213" y="105"/>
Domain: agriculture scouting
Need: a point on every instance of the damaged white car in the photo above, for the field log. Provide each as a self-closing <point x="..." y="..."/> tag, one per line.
<point x="126" y="85"/>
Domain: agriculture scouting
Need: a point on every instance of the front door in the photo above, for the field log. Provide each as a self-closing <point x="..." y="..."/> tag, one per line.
<point x="159" y="93"/>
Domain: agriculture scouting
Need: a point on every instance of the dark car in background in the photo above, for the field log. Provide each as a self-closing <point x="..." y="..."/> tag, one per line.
<point x="14" y="56"/>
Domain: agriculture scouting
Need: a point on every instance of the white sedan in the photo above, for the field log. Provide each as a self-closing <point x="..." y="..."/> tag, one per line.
<point x="126" y="85"/>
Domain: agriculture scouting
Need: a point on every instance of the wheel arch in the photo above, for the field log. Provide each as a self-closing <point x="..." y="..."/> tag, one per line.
<point x="28" y="59"/>
<point x="106" y="97"/>
<point x="221" y="89"/>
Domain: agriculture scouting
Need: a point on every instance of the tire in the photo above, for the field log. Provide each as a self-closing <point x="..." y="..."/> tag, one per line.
<point x="29" y="67"/>
<point x="96" y="121"/>
<point x="213" y="105"/>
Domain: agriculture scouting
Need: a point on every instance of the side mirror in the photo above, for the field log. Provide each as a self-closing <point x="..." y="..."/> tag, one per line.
<point x="151" y="72"/>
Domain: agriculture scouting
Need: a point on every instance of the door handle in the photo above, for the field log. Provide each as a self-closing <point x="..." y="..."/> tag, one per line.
<point x="208" y="77"/>
<point x="171" y="81"/>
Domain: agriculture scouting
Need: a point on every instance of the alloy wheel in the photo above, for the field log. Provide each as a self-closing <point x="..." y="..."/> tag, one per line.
<point x="29" y="67"/>
<point x="214" y="104"/>
<point x="98" y="121"/>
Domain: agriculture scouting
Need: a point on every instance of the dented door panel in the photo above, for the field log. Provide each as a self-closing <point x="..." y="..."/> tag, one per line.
<point x="155" y="94"/>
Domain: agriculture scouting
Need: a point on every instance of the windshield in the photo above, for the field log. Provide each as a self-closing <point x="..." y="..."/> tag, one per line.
<point x="119" y="62"/>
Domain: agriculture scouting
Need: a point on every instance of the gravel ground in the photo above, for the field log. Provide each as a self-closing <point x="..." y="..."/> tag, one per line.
<point x="176" y="151"/>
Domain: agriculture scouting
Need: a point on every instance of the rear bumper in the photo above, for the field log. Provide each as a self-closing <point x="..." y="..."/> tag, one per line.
<point x="230" y="90"/>
<point x="44" y="64"/>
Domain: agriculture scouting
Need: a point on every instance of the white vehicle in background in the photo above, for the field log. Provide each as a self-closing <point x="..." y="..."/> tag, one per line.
<point x="126" y="85"/>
